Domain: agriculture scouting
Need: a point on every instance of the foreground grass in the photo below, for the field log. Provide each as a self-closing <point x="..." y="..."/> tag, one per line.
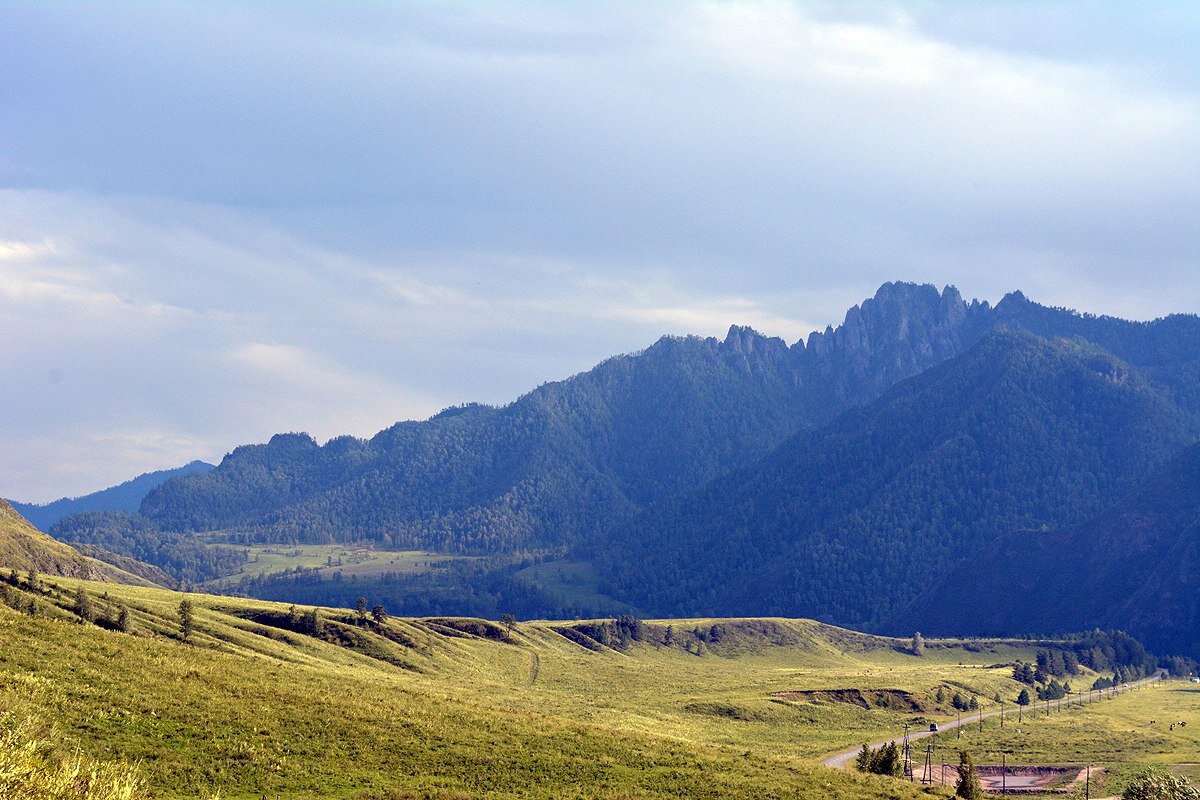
<point x="33" y="767"/>
<point x="447" y="708"/>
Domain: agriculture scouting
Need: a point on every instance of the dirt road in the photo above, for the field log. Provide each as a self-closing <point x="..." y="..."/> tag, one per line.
<point x="842" y="760"/>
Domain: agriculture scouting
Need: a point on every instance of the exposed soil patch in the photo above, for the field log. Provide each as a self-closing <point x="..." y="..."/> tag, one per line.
<point x="1016" y="779"/>
<point x="895" y="699"/>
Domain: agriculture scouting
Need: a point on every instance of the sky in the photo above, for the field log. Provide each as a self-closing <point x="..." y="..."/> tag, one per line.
<point x="219" y="221"/>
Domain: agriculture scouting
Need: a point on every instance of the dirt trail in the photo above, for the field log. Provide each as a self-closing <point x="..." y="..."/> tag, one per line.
<point x="535" y="665"/>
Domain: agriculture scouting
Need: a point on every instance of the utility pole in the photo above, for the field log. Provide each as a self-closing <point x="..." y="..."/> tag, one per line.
<point x="1004" y="773"/>
<point x="958" y="727"/>
<point x="1087" y="787"/>
<point x="981" y="719"/>
<point x="1002" y="713"/>
<point x="907" y="755"/>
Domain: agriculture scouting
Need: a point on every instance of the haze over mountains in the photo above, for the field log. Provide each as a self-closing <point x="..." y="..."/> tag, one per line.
<point x="127" y="496"/>
<point x="837" y="478"/>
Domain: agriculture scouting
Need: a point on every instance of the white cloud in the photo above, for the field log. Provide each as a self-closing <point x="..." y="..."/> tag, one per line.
<point x="372" y="213"/>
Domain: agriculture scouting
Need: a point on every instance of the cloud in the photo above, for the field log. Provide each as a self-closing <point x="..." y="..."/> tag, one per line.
<point x="226" y="220"/>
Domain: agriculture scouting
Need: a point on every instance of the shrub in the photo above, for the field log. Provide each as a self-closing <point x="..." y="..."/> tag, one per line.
<point x="1160" y="786"/>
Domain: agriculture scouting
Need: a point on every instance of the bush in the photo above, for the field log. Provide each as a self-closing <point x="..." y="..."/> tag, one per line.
<point x="887" y="760"/>
<point x="1160" y="786"/>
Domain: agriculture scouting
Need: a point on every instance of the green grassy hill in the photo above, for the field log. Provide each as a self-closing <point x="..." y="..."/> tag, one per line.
<point x="260" y="702"/>
<point x="308" y="703"/>
<point x="24" y="547"/>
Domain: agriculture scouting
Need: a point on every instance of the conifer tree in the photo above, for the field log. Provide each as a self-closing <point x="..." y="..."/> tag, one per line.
<point x="311" y="623"/>
<point x="186" y="620"/>
<point x="968" y="786"/>
<point x="862" y="762"/>
<point x="124" y="624"/>
<point x="918" y="644"/>
<point x="83" y="606"/>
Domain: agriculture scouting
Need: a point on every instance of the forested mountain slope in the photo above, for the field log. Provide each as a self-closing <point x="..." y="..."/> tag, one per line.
<point x="1133" y="566"/>
<point x="127" y="496"/>
<point x="567" y="461"/>
<point x="850" y="522"/>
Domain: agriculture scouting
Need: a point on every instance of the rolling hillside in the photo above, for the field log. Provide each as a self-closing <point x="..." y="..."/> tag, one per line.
<point x="24" y="548"/>
<point x="263" y="698"/>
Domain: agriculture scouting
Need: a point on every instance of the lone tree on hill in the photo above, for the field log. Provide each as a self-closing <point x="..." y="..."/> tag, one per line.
<point x="379" y="614"/>
<point x="1023" y="698"/>
<point x="509" y="622"/>
<point x="83" y="606"/>
<point x="311" y="623"/>
<point x="186" y="620"/>
<point x="360" y="608"/>
<point x="968" y="780"/>
<point x="918" y="644"/>
<point x="124" y="624"/>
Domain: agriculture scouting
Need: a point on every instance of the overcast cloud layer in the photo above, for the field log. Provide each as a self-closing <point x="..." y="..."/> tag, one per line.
<point x="222" y="221"/>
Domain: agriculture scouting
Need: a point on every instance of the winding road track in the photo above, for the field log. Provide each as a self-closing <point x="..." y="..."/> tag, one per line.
<point x="842" y="760"/>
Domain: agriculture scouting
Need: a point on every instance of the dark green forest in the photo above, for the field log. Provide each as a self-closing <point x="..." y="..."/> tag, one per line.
<point x="182" y="556"/>
<point x="850" y="522"/>
<point x="1129" y="565"/>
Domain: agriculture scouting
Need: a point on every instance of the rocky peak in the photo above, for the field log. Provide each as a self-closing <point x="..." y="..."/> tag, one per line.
<point x="903" y="329"/>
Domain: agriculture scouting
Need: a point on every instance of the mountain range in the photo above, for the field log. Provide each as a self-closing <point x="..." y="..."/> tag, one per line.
<point x="840" y="477"/>
<point x="127" y="496"/>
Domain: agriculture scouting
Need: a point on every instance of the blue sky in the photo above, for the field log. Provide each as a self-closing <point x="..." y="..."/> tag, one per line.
<point x="219" y="221"/>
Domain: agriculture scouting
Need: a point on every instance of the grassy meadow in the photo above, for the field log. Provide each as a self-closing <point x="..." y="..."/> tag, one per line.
<point x="358" y="560"/>
<point x="451" y="708"/>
